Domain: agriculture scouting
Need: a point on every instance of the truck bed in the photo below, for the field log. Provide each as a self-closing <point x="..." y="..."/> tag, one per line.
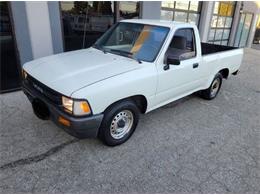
<point x="207" y="48"/>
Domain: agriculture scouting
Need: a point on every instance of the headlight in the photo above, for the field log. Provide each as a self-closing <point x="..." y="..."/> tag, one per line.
<point x="67" y="104"/>
<point x="77" y="107"/>
<point x="24" y="74"/>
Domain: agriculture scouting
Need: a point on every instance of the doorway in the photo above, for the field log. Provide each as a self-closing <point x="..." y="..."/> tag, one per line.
<point x="243" y="29"/>
<point x="10" y="77"/>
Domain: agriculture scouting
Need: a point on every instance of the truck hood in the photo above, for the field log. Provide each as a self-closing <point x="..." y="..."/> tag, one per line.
<point x="71" y="71"/>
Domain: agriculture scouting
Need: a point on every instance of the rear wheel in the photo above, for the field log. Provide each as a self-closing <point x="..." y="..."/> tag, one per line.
<point x="214" y="88"/>
<point x="119" y="123"/>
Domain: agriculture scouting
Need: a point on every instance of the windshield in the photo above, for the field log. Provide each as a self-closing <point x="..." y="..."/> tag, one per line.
<point x="139" y="41"/>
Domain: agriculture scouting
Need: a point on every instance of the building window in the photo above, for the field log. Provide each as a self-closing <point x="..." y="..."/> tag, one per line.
<point x="221" y="22"/>
<point x="129" y="9"/>
<point x="9" y="61"/>
<point x="85" y="21"/>
<point x="181" y="11"/>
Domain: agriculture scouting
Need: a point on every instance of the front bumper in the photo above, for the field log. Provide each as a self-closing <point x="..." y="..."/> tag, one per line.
<point x="80" y="127"/>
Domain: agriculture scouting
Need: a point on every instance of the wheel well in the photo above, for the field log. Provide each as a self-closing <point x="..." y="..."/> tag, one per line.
<point x="224" y="72"/>
<point x="139" y="100"/>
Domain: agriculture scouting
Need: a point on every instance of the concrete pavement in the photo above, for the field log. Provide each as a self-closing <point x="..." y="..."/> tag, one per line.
<point x="189" y="146"/>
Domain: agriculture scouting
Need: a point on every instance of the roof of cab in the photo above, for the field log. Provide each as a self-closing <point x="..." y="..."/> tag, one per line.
<point x="165" y="23"/>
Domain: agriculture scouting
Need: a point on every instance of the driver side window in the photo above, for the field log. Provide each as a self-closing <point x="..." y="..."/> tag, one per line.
<point x="183" y="45"/>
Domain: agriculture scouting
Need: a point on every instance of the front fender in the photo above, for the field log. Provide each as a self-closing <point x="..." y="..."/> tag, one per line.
<point x="100" y="95"/>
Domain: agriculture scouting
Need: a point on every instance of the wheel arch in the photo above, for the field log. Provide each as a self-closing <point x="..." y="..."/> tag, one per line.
<point x="139" y="100"/>
<point x="224" y="72"/>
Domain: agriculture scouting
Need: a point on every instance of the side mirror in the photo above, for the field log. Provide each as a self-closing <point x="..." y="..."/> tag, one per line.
<point x="173" y="61"/>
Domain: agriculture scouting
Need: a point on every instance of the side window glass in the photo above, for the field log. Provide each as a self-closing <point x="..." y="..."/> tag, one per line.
<point x="190" y="41"/>
<point x="182" y="46"/>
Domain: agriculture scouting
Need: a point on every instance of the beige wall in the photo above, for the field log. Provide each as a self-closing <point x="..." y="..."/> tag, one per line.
<point x="251" y="6"/>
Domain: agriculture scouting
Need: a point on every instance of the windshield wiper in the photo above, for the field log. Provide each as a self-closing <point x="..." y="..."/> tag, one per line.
<point x="99" y="48"/>
<point x="126" y="54"/>
<point x="122" y="52"/>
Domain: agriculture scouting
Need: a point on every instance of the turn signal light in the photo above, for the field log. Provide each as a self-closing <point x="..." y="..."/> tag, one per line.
<point x="85" y="107"/>
<point x="64" y="121"/>
<point x="81" y="108"/>
<point x="76" y="107"/>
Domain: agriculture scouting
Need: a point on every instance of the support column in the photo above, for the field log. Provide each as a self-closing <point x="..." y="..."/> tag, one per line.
<point x="56" y="26"/>
<point x="21" y="31"/>
<point x="116" y="10"/>
<point x="39" y="28"/>
<point x="235" y="24"/>
<point x="205" y="19"/>
<point x="252" y="30"/>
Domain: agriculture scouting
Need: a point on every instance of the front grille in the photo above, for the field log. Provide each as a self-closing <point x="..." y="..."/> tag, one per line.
<point x="47" y="92"/>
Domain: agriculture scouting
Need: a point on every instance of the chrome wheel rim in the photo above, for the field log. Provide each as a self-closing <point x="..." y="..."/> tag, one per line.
<point x="214" y="87"/>
<point x="121" y="124"/>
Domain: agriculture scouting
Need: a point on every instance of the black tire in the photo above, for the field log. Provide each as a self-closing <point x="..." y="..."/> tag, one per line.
<point x="207" y="93"/>
<point x="104" y="131"/>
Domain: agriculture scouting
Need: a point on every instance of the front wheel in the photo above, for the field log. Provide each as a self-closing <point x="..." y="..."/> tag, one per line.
<point x="119" y="123"/>
<point x="214" y="88"/>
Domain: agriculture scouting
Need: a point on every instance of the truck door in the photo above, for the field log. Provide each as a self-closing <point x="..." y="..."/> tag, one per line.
<point x="175" y="81"/>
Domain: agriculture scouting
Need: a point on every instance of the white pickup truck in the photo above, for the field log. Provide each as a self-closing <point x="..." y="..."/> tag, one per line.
<point x="135" y="67"/>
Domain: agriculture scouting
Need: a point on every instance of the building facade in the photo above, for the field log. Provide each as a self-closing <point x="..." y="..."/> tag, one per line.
<point x="30" y="30"/>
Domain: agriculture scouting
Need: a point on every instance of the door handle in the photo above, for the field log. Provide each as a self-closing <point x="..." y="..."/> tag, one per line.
<point x="196" y="65"/>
